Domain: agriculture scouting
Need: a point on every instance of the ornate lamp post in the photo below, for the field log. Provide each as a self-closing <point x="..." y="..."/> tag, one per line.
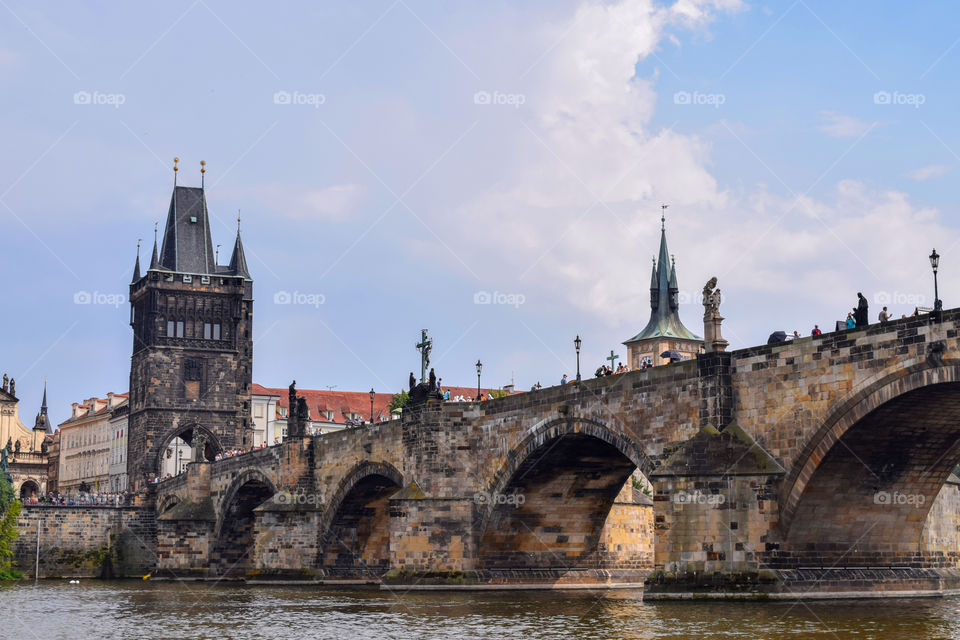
<point x="373" y="394"/>
<point x="479" y="367"/>
<point x="576" y="343"/>
<point x="937" y="303"/>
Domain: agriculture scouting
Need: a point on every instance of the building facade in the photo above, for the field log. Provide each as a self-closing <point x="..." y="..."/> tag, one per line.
<point x="117" y="472"/>
<point x="26" y="449"/>
<point x="664" y="331"/>
<point x="191" y="368"/>
<point x="85" y="445"/>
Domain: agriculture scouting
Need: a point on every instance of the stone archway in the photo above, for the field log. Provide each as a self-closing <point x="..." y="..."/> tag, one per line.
<point x="863" y="494"/>
<point x="235" y="532"/>
<point x="354" y="538"/>
<point x="189" y="435"/>
<point x="565" y="500"/>
<point x="29" y="490"/>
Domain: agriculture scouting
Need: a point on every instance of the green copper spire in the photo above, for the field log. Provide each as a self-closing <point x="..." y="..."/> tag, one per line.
<point x="664" y="303"/>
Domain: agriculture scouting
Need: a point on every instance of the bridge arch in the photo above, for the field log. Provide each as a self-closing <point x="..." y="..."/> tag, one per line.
<point x="865" y="482"/>
<point x="234" y="533"/>
<point x="167" y="502"/>
<point x="354" y="534"/>
<point x="555" y="503"/>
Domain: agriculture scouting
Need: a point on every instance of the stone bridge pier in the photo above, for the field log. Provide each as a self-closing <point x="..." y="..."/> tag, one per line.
<point x="818" y="466"/>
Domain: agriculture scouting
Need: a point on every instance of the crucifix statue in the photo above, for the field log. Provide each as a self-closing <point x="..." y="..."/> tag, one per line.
<point x="612" y="358"/>
<point x="424" y="347"/>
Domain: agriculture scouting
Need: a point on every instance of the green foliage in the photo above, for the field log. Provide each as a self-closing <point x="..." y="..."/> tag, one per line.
<point x="498" y="393"/>
<point x="398" y="401"/>
<point x="642" y="487"/>
<point x="9" y="510"/>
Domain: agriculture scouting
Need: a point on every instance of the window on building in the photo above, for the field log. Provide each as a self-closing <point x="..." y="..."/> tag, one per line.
<point x="192" y="378"/>
<point x="174" y="329"/>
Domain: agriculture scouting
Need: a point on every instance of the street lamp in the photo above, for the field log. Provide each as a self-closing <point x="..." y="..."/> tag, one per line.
<point x="479" y="367"/>
<point x="576" y="343"/>
<point x="373" y="395"/>
<point x="937" y="303"/>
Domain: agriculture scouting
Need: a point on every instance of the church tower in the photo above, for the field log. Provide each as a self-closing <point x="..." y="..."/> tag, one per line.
<point x="192" y="364"/>
<point x="664" y="330"/>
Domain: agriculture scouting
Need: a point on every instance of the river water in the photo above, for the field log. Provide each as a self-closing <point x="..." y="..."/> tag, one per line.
<point x="93" y="610"/>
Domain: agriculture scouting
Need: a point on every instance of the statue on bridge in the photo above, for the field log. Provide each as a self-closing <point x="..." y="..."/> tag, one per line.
<point x="712" y="339"/>
<point x="860" y="313"/>
<point x="424" y="347"/>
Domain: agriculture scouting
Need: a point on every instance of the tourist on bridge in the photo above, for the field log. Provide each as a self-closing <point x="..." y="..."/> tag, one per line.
<point x="563" y="380"/>
<point x="884" y="316"/>
<point x="816" y="330"/>
<point x="850" y="321"/>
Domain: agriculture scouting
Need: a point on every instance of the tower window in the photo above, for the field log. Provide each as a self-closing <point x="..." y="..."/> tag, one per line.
<point x="211" y="331"/>
<point x="192" y="378"/>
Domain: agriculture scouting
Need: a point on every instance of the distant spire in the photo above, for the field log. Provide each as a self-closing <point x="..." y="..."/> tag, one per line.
<point x="155" y="260"/>
<point x="175" y="170"/>
<point x="43" y="405"/>
<point x="663" y="217"/>
<point x="203" y="170"/>
<point x="136" y="265"/>
<point x="238" y="261"/>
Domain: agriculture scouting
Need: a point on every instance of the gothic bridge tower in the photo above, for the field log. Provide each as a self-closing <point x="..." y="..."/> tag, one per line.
<point x="191" y="369"/>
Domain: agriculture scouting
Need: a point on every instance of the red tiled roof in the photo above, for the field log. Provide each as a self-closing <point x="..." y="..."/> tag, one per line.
<point x="347" y="402"/>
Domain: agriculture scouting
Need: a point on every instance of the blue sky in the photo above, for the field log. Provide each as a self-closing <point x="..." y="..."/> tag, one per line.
<point x="391" y="189"/>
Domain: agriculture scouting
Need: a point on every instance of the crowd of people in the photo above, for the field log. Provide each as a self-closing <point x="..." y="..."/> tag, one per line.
<point x="80" y="499"/>
<point x="858" y="317"/>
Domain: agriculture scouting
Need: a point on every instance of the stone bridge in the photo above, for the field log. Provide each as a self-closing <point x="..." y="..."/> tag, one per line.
<point x="821" y="460"/>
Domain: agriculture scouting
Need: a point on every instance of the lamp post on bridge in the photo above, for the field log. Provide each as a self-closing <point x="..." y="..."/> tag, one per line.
<point x="937" y="303"/>
<point x="373" y="394"/>
<point x="479" y="367"/>
<point x="576" y="343"/>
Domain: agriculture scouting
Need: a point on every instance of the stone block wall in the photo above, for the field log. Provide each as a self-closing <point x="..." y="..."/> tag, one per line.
<point x="432" y="534"/>
<point x="87" y="542"/>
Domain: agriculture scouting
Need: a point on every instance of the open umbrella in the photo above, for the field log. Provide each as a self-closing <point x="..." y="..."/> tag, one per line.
<point x="673" y="354"/>
<point x="777" y="336"/>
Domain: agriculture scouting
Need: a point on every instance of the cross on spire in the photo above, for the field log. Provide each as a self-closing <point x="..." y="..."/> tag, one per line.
<point x="663" y="216"/>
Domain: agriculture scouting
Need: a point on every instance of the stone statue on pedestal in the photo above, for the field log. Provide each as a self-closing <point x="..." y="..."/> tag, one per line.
<point x="712" y="339"/>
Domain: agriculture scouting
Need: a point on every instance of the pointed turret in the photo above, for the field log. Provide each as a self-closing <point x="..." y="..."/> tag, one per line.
<point x="238" y="261"/>
<point x="136" y="265"/>
<point x="42" y="423"/>
<point x="187" y="247"/>
<point x="664" y="325"/>
<point x="154" y="261"/>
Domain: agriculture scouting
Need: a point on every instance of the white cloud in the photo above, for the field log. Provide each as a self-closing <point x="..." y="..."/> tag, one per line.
<point x="306" y="203"/>
<point x="575" y="212"/>
<point x="926" y="173"/>
<point x="838" y="125"/>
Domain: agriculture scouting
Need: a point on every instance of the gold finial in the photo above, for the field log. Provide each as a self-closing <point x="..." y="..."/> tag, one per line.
<point x="203" y="170"/>
<point x="175" y="162"/>
<point x="238" y="221"/>
<point x="139" y="240"/>
<point x="216" y="257"/>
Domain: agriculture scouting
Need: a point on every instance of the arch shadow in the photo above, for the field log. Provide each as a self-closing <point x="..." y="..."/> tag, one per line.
<point x="186" y="433"/>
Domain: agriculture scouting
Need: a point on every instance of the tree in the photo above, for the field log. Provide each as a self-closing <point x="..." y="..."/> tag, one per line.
<point x="398" y="401"/>
<point x="9" y="510"/>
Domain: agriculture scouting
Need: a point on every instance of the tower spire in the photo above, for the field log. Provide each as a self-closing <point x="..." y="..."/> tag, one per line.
<point x="203" y="170"/>
<point x="155" y="260"/>
<point x="136" y="265"/>
<point x="175" y="170"/>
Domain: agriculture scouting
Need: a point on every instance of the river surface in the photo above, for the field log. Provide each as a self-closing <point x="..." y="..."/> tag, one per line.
<point x="92" y="610"/>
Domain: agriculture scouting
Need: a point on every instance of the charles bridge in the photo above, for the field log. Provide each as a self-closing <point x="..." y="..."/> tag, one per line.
<point x="823" y="463"/>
